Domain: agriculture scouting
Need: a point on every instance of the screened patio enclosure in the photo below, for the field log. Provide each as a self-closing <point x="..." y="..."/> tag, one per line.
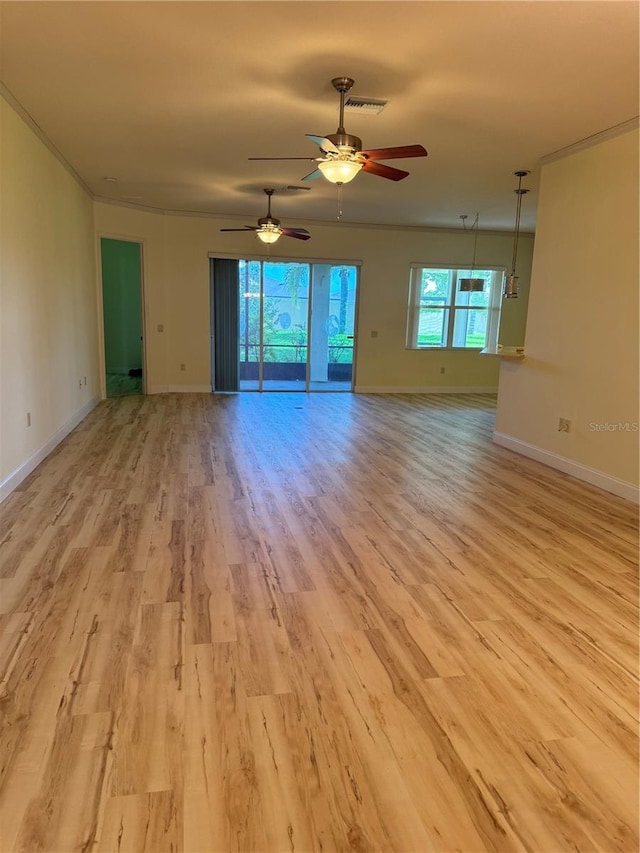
<point x="283" y="325"/>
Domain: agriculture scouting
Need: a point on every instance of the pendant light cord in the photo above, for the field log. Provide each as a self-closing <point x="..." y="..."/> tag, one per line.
<point x="475" y="241"/>
<point x="520" y="192"/>
<point x="476" y="225"/>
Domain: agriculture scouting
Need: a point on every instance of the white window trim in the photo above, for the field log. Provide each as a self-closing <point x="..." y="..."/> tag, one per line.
<point x="413" y="307"/>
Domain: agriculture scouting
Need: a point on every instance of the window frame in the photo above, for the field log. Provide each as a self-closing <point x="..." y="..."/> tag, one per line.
<point x="493" y="307"/>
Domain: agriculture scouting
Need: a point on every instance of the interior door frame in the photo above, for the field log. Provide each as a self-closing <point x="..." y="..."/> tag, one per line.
<point x="100" y="235"/>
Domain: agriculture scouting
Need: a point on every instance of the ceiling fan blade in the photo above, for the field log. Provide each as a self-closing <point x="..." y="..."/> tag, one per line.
<point x="323" y="143"/>
<point x="298" y="233"/>
<point x="312" y="175"/>
<point x="246" y="228"/>
<point x="384" y="171"/>
<point x="395" y="153"/>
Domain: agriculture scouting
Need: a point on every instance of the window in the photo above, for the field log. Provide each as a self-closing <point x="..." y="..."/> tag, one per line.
<point x="441" y="316"/>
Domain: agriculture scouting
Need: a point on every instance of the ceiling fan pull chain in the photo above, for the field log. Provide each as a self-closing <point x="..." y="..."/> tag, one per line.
<point x="339" y="216"/>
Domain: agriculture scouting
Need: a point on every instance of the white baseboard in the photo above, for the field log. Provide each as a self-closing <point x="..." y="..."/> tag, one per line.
<point x="22" y="472"/>
<point x="180" y="389"/>
<point x="426" y="389"/>
<point x="359" y="389"/>
<point x="568" y="466"/>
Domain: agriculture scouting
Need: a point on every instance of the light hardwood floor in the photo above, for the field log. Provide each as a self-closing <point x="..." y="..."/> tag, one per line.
<point x="314" y="623"/>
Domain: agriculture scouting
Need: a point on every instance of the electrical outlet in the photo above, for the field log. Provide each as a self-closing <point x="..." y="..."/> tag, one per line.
<point x="564" y="425"/>
<point x="28" y="419"/>
<point x="442" y="370"/>
<point x="183" y="367"/>
<point x="80" y="383"/>
<point x="374" y="334"/>
<point x="160" y="327"/>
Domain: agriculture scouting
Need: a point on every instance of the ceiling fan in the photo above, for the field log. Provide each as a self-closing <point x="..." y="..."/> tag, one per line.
<point x="269" y="229"/>
<point x="342" y="153"/>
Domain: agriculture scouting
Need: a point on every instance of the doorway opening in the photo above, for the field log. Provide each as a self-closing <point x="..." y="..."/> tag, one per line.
<point x="121" y="265"/>
<point x="286" y="325"/>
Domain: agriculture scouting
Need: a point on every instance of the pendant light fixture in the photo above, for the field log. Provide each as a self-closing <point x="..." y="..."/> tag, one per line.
<point x="472" y="285"/>
<point x="511" y="281"/>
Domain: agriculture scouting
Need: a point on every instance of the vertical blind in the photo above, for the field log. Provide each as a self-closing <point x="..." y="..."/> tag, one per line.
<point x="225" y="305"/>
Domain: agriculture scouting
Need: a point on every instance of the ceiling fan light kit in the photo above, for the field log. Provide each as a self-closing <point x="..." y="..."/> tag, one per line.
<point x="340" y="171"/>
<point x="269" y="233"/>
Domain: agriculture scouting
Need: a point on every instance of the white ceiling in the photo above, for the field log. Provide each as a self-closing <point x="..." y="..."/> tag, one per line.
<point x="171" y="98"/>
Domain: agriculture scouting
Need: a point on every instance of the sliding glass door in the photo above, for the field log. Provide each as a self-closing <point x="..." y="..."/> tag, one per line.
<point x="285" y="331"/>
<point x="296" y="326"/>
<point x="250" y="324"/>
<point x="333" y="312"/>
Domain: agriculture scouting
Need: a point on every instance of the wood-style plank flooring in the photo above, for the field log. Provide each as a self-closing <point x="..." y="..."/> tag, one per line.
<point x="289" y="622"/>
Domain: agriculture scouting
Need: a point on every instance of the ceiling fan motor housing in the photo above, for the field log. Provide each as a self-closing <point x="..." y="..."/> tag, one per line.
<point x="269" y="220"/>
<point x="345" y="140"/>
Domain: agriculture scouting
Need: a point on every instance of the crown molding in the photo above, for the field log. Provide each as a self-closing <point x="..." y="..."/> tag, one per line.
<point x="590" y="141"/>
<point x="31" y="123"/>
<point x="312" y="223"/>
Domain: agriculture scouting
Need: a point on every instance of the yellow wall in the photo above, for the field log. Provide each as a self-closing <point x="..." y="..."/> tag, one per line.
<point x="582" y="328"/>
<point x="176" y="274"/>
<point x="48" y="312"/>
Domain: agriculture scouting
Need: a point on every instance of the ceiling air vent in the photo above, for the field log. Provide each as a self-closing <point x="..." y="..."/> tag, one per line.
<point x="364" y="106"/>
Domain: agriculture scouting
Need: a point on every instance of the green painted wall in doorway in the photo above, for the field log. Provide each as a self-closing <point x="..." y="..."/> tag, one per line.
<point x="122" y="305"/>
